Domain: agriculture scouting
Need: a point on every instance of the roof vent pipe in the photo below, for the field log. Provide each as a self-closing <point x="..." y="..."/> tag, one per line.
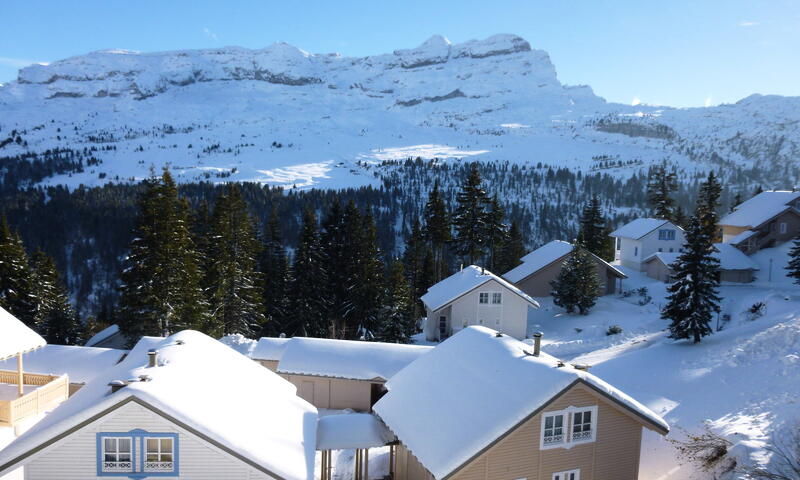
<point x="537" y="343"/>
<point x="152" y="358"/>
<point x="116" y="385"/>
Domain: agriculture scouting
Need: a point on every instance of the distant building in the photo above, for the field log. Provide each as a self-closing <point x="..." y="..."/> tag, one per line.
<point x="485" y="406"/>
<point x="475" y="296"/>
<point x="542" y="266"/>
<point x="766" y="220"/>
<point x="734" y="265"/>
<point x="643" y="237"/>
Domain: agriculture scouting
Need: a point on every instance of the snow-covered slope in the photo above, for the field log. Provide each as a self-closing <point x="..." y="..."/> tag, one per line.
<point x="281" y="115"/>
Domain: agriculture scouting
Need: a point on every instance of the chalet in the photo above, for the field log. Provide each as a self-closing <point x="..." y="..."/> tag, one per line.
<point x="24" y="395"/>
<point x="542" y="266"/>
<point x="734" y="265"/>
<point x="336" y="374"/>
<point x="109" y="337"/>
<point x="188" y="408"/>
<point x="475" y="296"/>
<point x="473" y="416"/>
<point x="766" y="220"/>
<point x="643" y="237"/>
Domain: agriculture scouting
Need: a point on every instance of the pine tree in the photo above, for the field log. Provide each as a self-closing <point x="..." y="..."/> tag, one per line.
<point x="414" y="262"/>
<point x="660" y="186"/>
<point x="56" y="320"/>
<point x="341" y="234"/>
<point x="16" y="292"/>
<point x="470" y="218"/>
<point x="680" y="217"/>
<point x="593" y="233"/>
<point x="577" y="284"/>
<point x="513" y="249"/>
<point x="794" y="261"/>
<point x="693" y="298"/>
<point x="308" y="303"/>
<point x="235" y="293"/>
<point x="437" y="229"/>
<point x="496" y="233"/>
<point x="397" y="320"/>
<point x="275" y="275"/>
<point x="737" y="200"/>
<point x="365" y="287"/>
<point x="758" y="191"/>
<point x="160" y="292"/>
<point x="707" y="204"/>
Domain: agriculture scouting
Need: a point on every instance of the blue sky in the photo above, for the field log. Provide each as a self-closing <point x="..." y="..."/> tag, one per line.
<point x="676" y="52"/>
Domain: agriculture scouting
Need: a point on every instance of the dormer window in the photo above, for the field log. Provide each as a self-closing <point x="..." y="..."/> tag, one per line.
<point x="565" y="428"/>
<point x="138" y="453"/>
<point x="666" y="234"/>
<point x="117" y="454"/>
<point x="553" y="432"/>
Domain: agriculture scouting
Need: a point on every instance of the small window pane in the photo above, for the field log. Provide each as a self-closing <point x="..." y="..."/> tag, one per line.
<point x="110" y="445"/>
<point x="548" y="422"/>
<point x="152" y="445"/>
<point x="125" y="445"/>
<point x="152" y="457"/>
<point x="124" y="457"/>
<point x="559" y="421"/>
<point x="110" y="457"/>
<point x="166" y="457"/>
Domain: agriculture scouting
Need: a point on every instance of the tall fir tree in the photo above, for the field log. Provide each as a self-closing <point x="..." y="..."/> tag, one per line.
<point x="160" y="292"/>
<point x="577" y="285"/>
<point x="707" y="204"/>
<point x="234" y="279"/>
<point x="413" y="264"/>
<point x="693" y="299"/>
<point x="513" y="249"/>
<point x="470" y="218"/>
<point x="593" y="233"/>
<point x="662" y="183"/>
<point x="307" y="302"/>
<point x="397" y="321"/>
<point x="437" y="230"/>
<point x="16" y="291"/>
<point x="496" y="233"/>
<point x="56" y="320"/>
<point x="275" y="278"/>
<point x="793" y="266"/>
<point x="341" y="236"/>
<point x="365" y="287"/>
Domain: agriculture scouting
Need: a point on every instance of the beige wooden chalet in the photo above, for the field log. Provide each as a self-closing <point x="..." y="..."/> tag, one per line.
<point x="764" y="221"/>
<point x="24" y="395"/>
<point x="475" y="296"/>
<point x="542" y="266"/>
<point x="486" y="406"/>
<point x="336" y="374"/>
<point x="734" y="266"/>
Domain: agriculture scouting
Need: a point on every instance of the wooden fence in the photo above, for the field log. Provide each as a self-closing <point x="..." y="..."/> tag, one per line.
<point x="51" y="391"/>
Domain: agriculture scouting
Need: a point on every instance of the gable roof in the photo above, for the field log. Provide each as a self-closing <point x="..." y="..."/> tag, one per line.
<point x="488" y="385"/>
<point x="544" y="256"/>
<point x="270" y="427"/>
<point x="460" y="283"/>
<point x="351" y="359"/>
<point x="81" y="364"/>
<point x="730" y="258"/>
<point x="760" y="209"/>
<point x="269" y="348"/>
<point x="17" y="337"/>
<point x="640" y="227"/>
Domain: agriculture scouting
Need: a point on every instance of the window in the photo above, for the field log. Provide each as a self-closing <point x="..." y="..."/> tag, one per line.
<point x="619" y="243"/>
<point x="568" y="475"/>
<point x="497" y="298"/>
<point x="483" y="297"/>
<point x="159" y="454"/>
<point x="635" y="251"/>
<point x="137" y="454"/>
<point x="553" y="431"/>
<point x="660" y="249"/>
<point x="666" y="234"/>
<point x="117" y="454"/>
<point x="671" y="250"/>
<point x="564" y="428"/>
<point x="783" y="227"/>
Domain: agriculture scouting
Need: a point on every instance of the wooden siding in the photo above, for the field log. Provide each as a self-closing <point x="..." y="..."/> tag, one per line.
<point x="336" y="393"/>
<point x="74" y="457"/>
<point x="614" y="455"/>
<point x="538" y="284"/>
<point x="270" y="364"/>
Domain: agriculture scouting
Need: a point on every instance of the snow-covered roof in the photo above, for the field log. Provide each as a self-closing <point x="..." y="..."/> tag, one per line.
<point x="81" y="364"/>
<point x="737" y="239"/>
<point x="103" y="334"/>
<point x="16" y="337"/>
<point x="269" y="348"/>
<point x="350" y="359"/>
<point x="351" y="430"/>
<point x="640" y="227"/>
<point x="265" y="422"/>
<point x="474" y="387"/>
<point x="239" y="342"/>
<point x="730" y="258"/>
<point x="544" y="256"/>
<point x="759" y="209"/>
<point x="459" y="283"/>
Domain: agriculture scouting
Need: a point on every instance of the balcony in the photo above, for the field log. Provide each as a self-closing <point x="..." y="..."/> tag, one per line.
<point x="40" y="393"/>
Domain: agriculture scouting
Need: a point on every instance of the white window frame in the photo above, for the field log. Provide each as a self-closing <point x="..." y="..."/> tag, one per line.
<point x="482" y="296"/>
<point x="117" y="469"/>
<point x="498" y="296"/>
<point x="666" y="234"/>
<point x="567" y="425"/>
<point x="565" y="475"/>
<point x="783" y="227"/>
<point x="159" y="466"/>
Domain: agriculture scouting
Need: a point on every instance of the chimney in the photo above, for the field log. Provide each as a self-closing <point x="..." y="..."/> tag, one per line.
<point x="152" y="358"/>
<point x="116" y="385"/>
<point x="537" y="343"/>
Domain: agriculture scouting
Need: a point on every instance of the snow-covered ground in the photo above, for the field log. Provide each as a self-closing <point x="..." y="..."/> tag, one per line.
<point x="744" y="379"/>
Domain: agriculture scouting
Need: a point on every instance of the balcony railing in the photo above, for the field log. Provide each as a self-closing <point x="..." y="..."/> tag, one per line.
<point x="50" y="391"/>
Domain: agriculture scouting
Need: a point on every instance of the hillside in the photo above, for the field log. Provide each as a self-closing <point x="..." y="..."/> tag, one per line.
<point x="283" y="116"/>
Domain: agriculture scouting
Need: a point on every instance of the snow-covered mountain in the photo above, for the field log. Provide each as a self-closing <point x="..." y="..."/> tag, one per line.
<point x="280" y="115"/>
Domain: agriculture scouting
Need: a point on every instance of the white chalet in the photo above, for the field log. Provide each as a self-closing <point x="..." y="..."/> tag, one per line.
<point x="475" y="296"/>
<point x="637" y="240"/>
<point x="189" y="408"/>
